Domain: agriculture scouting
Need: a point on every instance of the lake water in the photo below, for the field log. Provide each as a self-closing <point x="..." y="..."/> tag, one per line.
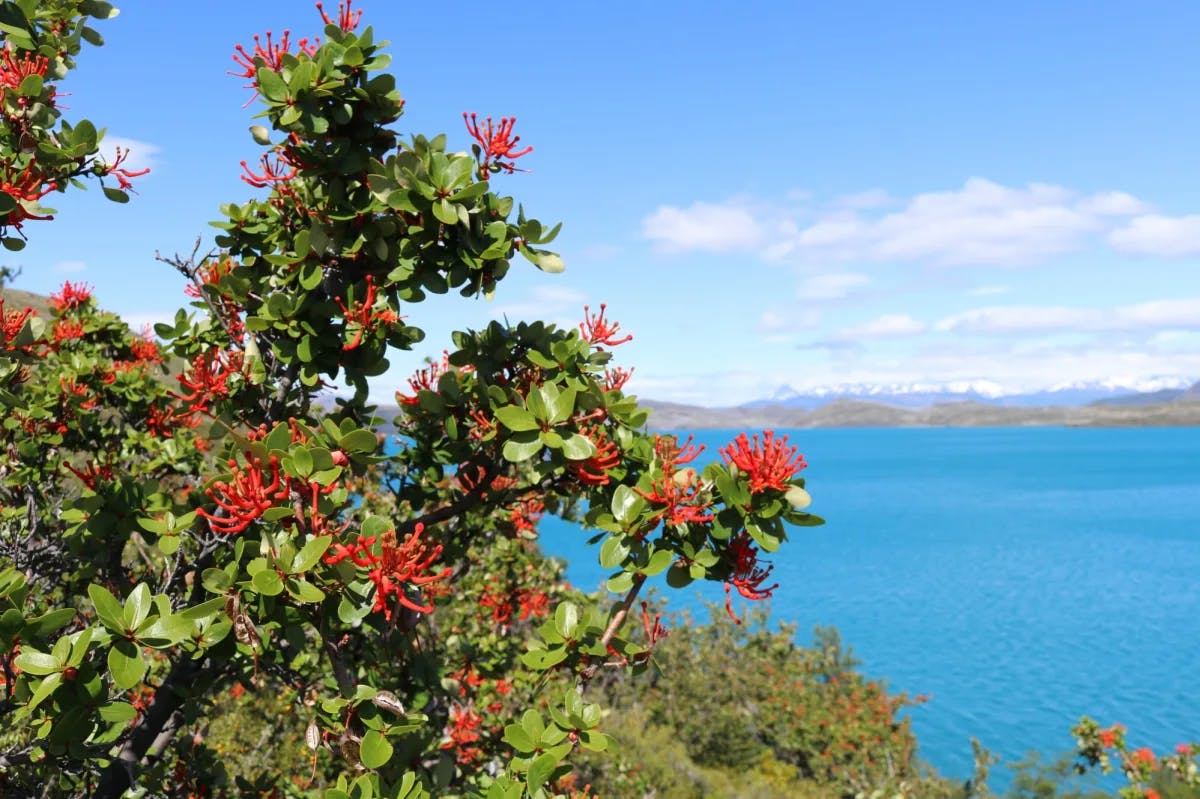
<point x="1021" y="576"/>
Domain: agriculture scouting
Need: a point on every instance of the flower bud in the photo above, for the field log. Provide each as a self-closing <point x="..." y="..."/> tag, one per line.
<point x="798" y="498"/>
<point x="260" y="134"/>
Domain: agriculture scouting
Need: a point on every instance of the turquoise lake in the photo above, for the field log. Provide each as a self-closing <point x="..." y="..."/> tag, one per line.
<point x="1023" y="577"/>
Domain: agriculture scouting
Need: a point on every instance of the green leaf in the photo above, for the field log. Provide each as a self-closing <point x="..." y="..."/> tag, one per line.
<point x="166" y="631"/>
<point x="660" y="560"/>
<point x="137" y="606"/>
<point x="37" y="662"/>
<point x="116" y="195"/>
<point x="7" y="203"/>
<point x="374" y="750"/>
<point x="562" y="406"/>
<point x="48" y="622"/>
<point x="540" y="770"/>
<point x="445" y="211"/>
<point x="516" y="450"/>
<point x="310" y="553"/>
<point x="125" y="664"/>
<point x="304" y="591"/>
<point x="108" y="608"/>
<point x="613" y="552"/>
<point x="47" y="686"/>
<point x="12" y="243"/>
<point x="268" y="582"/>
<point x="216" y="581"/>
<point x="359" y="441"/>
<point x="516" y="419"/>
<point x="117" y="712"/>
<point x="625" y="504"/>
<point x="578" y="448"/>
<point x="271" y="85"/>
<point x="518" y="738"/>
<point x="566" y="619"/>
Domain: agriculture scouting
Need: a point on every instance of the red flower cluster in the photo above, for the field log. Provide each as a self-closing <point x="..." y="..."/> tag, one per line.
<point x="11" y="323"/>
<point x="347" y="20"/>
<point x="123" y="174"/>
<point x="70" y="297"/>
<point x="67" y="330"/>
<point x="594" y="470"/>
<point x="269" y="54"/>
<point x="208" y="379"/>
<point x="462" y="731"/>
<point x="363" y="316"/>
<point x="91" y="473"/>
<point x="748" y="576"/>
<point x="246" y="496"/>
<point x="425" y="380"/>
<point x="279" y="170"/>
<point x="209" y="275"/>
<point x="598" y="331"/>
<point x="526" y="513"/>
<point x="496" y="142"/>
<point x="771" y="464"/>
<point x="677" y="490"/>
<point x="14" y="69"/>
<point x="397" y="567"/>
<point x="27" y="186"/>
<point x="616" y="378"/>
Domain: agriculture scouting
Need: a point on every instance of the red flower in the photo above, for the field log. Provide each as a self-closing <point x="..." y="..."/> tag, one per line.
<point x="748" y="576"/>
<point x="11" y="323"/>
<point x="27" y="186"/>
<point x="143" y="348"/>
<point x="594" y="470"/>
<point x="597" y="331"/>
<point x="616" y="378"/>
<point x="363" y="316"/>
<point x="15" y="69"/>
<point x="246" y="496"/>
<point x="495" y="142"/>
<point x="71" y="296"/>
<point x="526" y="514"/>
<point x="425" y="380"/>
<point x="122" y="174"/>
<point x="208" y="379"/>
<point x="347" y="20"/>
<point x="533" y="603"/>
<point x="67" y="330"/>
<point x="770" y="464"/>
<point x="677" y="490"/>
<point x="1108" y="737"/>
<point x="463" y="730"/>
<point x="395" y="568"/>
<point x="1143" y="757"/>
<point x="277" y="171"/>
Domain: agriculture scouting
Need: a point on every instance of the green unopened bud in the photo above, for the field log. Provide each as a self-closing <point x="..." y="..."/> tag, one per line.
<point x="798" y="498"/>
<point x="261" y="135"/>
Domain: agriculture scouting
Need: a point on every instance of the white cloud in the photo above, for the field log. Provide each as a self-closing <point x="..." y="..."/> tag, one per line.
<point x="140" y="320"/>
<point x="983" y="222"/>
<point x="704" y="227"/>
<point x="1003" y="320"/>
<point x="988" y="291"/>
<point x="1113" y="203"/>
<point x="69" y="267"/>
<point x="1159" y="235"/>
<point x="558" y="304"/>
<point x="886" y="326"/>
<point x="141" y="154"/>
<point x="794" y="320"/>
<point x="872" y="198"/>
<point x="835" y="286"/>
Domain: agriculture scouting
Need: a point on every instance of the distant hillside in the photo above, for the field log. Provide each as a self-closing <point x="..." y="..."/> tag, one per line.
<point x="856" y="413"/>
<point x="15" y="300"/>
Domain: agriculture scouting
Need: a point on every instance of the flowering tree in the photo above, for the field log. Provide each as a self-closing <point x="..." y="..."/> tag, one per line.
<point x="188" y="520"/>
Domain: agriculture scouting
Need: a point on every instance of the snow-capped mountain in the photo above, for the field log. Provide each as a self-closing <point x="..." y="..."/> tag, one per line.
<point x="920" y="395"/>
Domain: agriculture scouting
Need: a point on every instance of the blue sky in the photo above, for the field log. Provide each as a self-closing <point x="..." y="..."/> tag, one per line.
<point x="763" y="193"/>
